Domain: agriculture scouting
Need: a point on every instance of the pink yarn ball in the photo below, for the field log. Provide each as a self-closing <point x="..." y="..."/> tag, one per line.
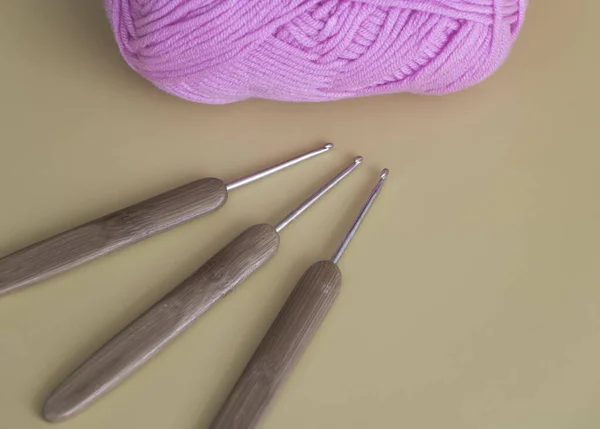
<point x="221" y="51"/>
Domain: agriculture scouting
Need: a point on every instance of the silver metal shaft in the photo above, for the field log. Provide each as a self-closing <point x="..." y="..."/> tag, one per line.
<point x="317" y="195"/>
<point x="267" y="172"/>
<point x="361" y="216"/>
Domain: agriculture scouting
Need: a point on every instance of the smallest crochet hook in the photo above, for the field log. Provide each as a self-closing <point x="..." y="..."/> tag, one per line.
<point x="124" y="227"/>
<point x="288" y="336"/>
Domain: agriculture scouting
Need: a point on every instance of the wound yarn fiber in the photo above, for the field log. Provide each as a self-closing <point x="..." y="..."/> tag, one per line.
<point x="221" y="51"/>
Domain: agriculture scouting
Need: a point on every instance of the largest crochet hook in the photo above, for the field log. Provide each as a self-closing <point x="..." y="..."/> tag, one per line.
<point x="170" y="316"/>
<point x="127" y="226"/>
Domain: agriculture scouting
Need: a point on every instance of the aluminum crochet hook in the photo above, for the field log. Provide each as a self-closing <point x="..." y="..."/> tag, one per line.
<point x="124" y="227"/>
<point x="288" y="336"/>
<point x="170" y="316"/>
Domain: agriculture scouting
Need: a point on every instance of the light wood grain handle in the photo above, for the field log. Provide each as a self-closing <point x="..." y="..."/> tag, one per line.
<point x="106" y="234"/>
<point x="282" y="346"/>
<point x="166" y="319"/>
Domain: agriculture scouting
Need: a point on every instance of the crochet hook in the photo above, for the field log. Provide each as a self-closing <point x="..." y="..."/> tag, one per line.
<point x="124" y="227"/>
<point x="171" y="315"/>
<point x="288" y="336"/>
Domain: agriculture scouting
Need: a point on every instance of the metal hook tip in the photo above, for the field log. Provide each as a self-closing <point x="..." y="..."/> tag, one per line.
<point x="281" y="166"/>
<point x="317" y="195"/>
<point x="361" y="216"/>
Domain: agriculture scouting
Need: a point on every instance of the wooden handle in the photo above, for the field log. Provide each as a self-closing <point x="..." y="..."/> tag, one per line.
<point x="282" y="346"/>
<point x="166" y="319"/>
<point x="94" y="239"/>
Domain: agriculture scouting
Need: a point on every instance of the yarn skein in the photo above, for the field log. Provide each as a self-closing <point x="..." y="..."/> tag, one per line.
<point x="222" y="51"/>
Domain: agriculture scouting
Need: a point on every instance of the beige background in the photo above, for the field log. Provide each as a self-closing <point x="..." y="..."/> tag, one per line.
<point x="471" y="295"/>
